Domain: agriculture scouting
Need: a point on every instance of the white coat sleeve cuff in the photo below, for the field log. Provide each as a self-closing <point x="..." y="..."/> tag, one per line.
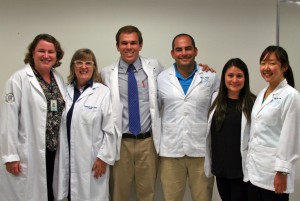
<point x="10" y="158"/>
<point x="282" y="166"/>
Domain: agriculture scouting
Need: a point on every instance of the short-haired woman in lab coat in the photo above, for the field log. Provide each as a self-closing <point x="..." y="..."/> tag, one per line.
<point x="31" y="109"/>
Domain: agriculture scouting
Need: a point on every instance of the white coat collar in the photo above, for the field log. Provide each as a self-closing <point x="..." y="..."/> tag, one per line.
<point x="87" y="92"/>
<point x="148" y="69"/>
<point x="198" y="78"/>
<point x="35" y="83"/>
<point x="273" y="96"/>
<point x="32" y="79"/>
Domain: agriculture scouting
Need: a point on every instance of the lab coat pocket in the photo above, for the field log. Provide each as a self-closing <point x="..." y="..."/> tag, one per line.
<point x="145" y="90"/>
<point x="88" y="114"/>
<point x="170" y="135"/>
<point x="265" y="158"/>
<point x="197" y="137"/>
<point x="19" y="182"/>
<point x="270" y="115"/>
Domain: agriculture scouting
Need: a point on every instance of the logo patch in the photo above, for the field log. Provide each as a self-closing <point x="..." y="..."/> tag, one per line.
<point x="9" y="98"/>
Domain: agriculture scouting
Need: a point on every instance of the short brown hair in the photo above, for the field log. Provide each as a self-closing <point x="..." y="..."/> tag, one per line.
<point x="48" y="38"/>
<point x="129" y="29"/>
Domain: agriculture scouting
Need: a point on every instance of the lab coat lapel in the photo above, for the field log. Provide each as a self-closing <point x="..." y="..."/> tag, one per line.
<point x="260" y="99"/>
<point x="116" y="103"/>
<point x="174" y="80"/>
<point x="150" y="74"/>
<point x="272" y="95"/>
<point x="33" y="80"/>
<point x="70" y="91"/>
<point x="114" y="81"/>
<point x="87" y="92"/>
<point x="196" y="81"/>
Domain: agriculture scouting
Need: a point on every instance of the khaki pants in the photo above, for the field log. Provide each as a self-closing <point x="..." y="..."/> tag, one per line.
<point x="174" y="174"/>
<point x="138" y="164"/>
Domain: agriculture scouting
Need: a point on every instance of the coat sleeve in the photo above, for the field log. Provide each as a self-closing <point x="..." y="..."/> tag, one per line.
<point x="10" y="111"/>
<point x="159" y="68"/>
<point x="289" y="142"/>
<point x="108" y="149"/>
<point x="216" y="87"/>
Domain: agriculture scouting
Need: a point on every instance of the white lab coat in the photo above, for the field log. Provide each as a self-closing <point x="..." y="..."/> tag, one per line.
<point x="184" y="116"/>
<point x="274" y="137"/>
<point x="92" y="135"/>
<point x="245" y="135"/>
<point x="109" y="76"/>
<point x="23" y="130"/>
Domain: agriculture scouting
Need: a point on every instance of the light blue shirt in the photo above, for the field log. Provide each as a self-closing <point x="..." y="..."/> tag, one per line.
<point x="185" y="82"/>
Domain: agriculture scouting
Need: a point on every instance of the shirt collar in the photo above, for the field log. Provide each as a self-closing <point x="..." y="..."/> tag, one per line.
<point x="88" y="84"/>
<point x="38" y="75"/>
<point x="123" y="66"/>
<point x="178" y="75"/>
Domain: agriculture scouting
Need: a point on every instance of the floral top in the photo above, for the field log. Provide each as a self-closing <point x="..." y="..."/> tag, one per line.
<point x="55" y="106"/>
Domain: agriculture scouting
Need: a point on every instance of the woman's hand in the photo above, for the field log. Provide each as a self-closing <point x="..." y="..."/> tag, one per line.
<point x="14" y="167"/>
<point x="280" y="182"/>
<point x="99" y="168"/>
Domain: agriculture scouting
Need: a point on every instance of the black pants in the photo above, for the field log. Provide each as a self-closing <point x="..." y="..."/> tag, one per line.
<point x="50" y="158"/>
<point x="232" y="189"/>
<point x="259" y="194"/>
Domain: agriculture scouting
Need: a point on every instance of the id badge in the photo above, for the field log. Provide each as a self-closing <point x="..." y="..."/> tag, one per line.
<point x="53" y="105"/>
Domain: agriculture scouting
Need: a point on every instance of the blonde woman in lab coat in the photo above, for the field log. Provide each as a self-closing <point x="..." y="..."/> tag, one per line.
<point x="274" y="133"/>
<point x="31" y="109"/>
<point x="88" y="140"/>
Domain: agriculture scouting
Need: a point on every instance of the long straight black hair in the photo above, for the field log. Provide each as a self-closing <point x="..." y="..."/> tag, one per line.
<point x="246" y="97"/>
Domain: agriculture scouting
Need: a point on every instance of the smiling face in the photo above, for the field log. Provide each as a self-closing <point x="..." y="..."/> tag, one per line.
<point x="234" y="81"/>
<point x="129" y="47"/>
<point x="271" y="69"/>
<point x="44" y="56"/>
<point x="84" y="69"/>
<point x="184" y="52"/>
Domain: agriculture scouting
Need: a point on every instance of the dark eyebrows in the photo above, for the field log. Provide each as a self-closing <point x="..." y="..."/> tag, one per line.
<point x="131" y="42"/>
<point x="181" y="48"/>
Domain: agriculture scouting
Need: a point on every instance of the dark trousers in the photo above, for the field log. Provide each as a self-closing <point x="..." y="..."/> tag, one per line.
<point x="259" y="194"/>
<point x="50" y="158"/>
<point x="232" y="189"/>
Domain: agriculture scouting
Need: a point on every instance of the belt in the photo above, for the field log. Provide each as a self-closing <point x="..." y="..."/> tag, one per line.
<point x="139" y="136"/>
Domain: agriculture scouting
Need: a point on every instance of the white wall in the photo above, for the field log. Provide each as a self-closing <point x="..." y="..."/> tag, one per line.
<point x="222" y="30"/>
<point x="289" y="39"/>
<point x="289" y="32"/>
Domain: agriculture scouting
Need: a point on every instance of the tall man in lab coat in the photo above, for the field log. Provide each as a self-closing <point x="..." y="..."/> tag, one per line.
<point x="185" y="93"/>
<point x="136" y="155"/>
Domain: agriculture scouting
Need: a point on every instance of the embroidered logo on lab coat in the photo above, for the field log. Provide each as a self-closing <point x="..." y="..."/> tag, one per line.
<point x="10" y="98"/>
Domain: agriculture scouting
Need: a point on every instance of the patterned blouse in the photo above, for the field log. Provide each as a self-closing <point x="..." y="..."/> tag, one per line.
<point x="55" y="106"/>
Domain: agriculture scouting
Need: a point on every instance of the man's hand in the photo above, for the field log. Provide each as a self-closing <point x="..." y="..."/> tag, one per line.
<point x="207" y="68"/>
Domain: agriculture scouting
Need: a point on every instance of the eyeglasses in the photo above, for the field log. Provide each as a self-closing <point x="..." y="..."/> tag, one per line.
<point x="87" y="64"/>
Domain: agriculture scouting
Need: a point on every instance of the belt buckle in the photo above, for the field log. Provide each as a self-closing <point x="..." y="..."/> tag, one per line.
<point x="142" y="136"/>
